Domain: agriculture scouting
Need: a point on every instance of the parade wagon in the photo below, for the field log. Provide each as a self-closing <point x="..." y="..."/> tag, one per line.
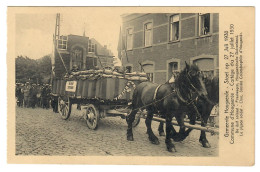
<point x="99" y="93"/>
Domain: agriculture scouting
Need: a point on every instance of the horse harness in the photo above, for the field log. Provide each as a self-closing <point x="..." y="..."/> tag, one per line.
<point x="177" y="92"/>
<point x="154" y="98"/>
<point x="174" y="90"/>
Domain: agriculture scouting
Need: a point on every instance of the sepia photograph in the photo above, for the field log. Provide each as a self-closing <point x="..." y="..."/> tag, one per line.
<point x="117" y="83"/>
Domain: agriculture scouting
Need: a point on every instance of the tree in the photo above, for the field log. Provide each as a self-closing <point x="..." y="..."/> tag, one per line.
<point x="35" y="71"/>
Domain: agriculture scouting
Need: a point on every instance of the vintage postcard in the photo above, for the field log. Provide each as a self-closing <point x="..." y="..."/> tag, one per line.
<point x="131" y="85"/>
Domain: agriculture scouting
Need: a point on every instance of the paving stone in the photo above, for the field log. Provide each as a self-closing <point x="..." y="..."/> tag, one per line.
<point x="42" y="132"/>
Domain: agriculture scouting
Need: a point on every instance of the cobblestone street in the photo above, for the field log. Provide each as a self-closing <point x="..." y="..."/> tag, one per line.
<point x="42" y="132"/>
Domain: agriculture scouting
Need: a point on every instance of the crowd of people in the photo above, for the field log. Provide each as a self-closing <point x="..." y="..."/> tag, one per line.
<point x="30" y="95"/>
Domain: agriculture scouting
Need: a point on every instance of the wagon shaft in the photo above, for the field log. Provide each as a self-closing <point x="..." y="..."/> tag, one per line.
<point x="196" y="127"/>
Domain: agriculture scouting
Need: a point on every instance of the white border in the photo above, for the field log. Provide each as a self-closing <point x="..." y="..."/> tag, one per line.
<point x="3" y="98"/>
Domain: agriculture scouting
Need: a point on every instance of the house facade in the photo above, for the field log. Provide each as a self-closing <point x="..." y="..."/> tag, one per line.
<point x="160" y="43"/>
<point x="82" y="51"/>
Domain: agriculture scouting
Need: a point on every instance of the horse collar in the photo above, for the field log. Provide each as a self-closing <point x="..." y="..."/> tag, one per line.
<point x="179" y="95"/>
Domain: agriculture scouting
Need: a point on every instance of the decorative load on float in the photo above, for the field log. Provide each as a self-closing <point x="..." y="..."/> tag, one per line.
<point x="105" y="85"/>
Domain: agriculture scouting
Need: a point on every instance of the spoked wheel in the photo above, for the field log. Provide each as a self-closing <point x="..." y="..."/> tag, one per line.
<point x="92" y="116"/>
<point x="64" y="107"/>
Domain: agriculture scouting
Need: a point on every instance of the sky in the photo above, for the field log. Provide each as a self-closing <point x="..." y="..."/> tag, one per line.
<point x="34" y="31"/>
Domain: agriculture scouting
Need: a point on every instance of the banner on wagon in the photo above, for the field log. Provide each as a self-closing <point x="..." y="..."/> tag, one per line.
<point x="71" y="86"/>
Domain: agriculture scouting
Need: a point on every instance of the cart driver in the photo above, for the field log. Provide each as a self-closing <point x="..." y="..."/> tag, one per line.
<point x="74" y="68"/>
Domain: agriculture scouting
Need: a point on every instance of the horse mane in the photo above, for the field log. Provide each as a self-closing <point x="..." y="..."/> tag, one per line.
<point x="188" y="79"/>
<point x="181" y="85"/>
<point x="181" y="77"/>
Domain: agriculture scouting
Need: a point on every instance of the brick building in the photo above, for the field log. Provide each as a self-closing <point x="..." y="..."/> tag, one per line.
<point x="162" y="42"/>
<point x="82" y="51"/>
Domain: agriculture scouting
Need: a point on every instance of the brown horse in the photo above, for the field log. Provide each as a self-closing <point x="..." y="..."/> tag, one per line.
<point x="168" y="100"/>
<point x="204" y="107"/>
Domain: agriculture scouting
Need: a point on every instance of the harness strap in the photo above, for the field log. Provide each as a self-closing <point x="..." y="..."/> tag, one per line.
<point x="179" y="95"/>
<point x="155" y="92"/>
<point x="154" y="99"/>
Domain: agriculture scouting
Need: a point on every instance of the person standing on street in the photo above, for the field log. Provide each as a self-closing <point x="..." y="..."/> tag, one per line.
<point x="19" y="95"/>
<point x="45" y="97"/>
<point x="26" y="94"/>
<point x="54" y="104"/>
<point x="38" y="95"/>
<point x="33" y="95"/>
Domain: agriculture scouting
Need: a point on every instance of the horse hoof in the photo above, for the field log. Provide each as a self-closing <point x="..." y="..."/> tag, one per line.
<point x="161" y="133"/>
<point x="169" y="149"/>
<point x="156" y="142"/>
<point x="130" y="138"/>
<point x="206" y="145"/>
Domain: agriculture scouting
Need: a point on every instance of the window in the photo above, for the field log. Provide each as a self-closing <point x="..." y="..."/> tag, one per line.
<point x="174" y="27"/>
<point x="206" y="65"/>
<point x="204" y="23"/>
<point x="149" y="76"/>
<point x="95" y="61"/>
<point x="173" y="69"/>
<point x="149" y="70"/>
<point x="77" y="57"/>
<point x="62" y="42"/>
<point x="91" y="47"/>
<point x="129" y="39"/>
<point x="148" y="34"/>
<point x="91" y="62"/>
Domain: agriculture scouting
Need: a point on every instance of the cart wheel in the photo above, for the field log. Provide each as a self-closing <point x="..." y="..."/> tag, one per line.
<point x="64" y="107"/>
<point x="137" y="119"/>
<point x="92" y="117"/>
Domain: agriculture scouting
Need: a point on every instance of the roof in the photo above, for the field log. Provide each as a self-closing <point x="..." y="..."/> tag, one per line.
<point x="130" y="16"/>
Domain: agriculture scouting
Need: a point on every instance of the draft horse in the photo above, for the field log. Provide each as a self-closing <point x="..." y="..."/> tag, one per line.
<point x="168" y="100"/>
<point x="204" y="107"/>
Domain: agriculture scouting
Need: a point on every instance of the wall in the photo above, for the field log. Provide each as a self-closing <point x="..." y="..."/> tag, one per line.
<point x="81" y="41"/>
<point x="189" y="46"/>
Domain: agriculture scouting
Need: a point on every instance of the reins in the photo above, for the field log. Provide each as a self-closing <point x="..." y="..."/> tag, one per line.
<point x="156" y="101"/>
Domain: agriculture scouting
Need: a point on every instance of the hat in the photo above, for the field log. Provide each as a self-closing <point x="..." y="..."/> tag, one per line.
<point x="75" y="67"/>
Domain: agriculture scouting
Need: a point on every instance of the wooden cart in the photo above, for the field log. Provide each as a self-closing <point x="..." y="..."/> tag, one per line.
<point x="99" y="94"/>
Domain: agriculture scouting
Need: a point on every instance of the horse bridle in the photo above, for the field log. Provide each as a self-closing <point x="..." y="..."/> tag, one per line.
<point x="188" y="102"/>
<point x="193" y="87"/>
